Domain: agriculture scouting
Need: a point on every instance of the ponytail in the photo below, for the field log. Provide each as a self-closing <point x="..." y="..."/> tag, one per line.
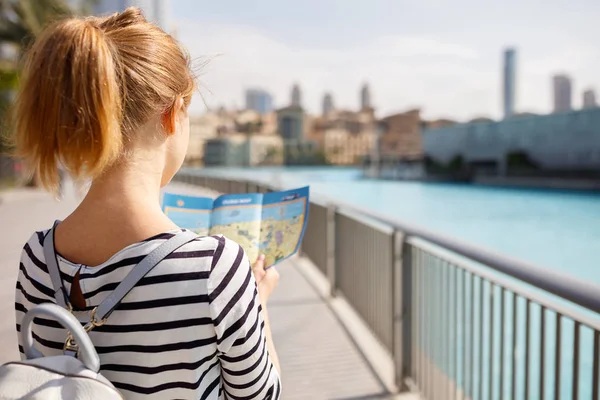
<point x="69" y="106"/>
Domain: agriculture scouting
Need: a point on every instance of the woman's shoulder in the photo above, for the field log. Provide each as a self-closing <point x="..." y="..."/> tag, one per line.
<point x="33" y="249"/>
<point x="37" y="239"/>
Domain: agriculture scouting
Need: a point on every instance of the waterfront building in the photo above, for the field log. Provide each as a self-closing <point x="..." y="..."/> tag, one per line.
<point x="226" y="151"/>
<point x="562" y="89"/>
<point x="509" y="82"/>
<point x="292" y="127"/>
<point x="201" y="129"/>
<point x="559" y="142"/>
<point x="224" y="123"/>
<point x="259" y="100"/>
<point x="243" y="150"/>
<point x="400" y="135"/>
<point x="344" y="136"/>
<point x="291" y="123"/>
<point x="265" y="150"/>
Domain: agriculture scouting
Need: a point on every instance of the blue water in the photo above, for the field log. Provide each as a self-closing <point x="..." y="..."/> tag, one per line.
<point x="560" y="230"/>
<point x="554" y="229"/>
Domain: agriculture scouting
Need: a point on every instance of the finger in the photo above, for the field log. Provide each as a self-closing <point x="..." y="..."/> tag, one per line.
<point x="260" y="263"/>
<point x="259" y="267"/>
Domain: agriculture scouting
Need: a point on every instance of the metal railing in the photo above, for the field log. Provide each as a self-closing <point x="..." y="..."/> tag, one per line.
<point x="459" y="321"/>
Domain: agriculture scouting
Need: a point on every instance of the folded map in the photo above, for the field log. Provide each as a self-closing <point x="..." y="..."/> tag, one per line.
<point x="272" y="224"/>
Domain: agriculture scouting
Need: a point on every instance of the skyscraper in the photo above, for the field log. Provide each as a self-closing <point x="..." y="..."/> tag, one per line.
<point x="156" y="11"/>
<point x="296" y="96"/>
<point x="327" y="103"/>
<point x="259" y="101"/>
<point x="509" y="84"/>
<point x="162" y="15"/>
<point x="365" y="97"/>
<point x="589" y="99"/>
<point x="562" y="93"/>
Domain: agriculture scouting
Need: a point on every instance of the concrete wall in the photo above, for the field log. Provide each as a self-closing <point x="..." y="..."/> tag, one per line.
<point x="565" y="140"/>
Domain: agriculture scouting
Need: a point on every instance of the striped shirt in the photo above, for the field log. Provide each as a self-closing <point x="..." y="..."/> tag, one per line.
<point x="191" y="329"/>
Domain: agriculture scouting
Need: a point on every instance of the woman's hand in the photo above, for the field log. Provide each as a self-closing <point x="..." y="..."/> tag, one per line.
<point x="266" y="279"/>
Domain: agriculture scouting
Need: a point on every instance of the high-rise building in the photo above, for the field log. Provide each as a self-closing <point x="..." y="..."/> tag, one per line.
<point x="162" y="15"/>
<point x="156" y="11"/>
<point x="562" y="93"/>
<point x="327" y="103"/>
<point x="296" y="96"/>
<point x="259" y="101"/>
<point x="365" y="97"/>
<point x="589" y="99"/>
<point x="509" y="84"/>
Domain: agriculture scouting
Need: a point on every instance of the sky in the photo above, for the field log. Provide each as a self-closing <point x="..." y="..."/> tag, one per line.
<point x="442" y="56"/>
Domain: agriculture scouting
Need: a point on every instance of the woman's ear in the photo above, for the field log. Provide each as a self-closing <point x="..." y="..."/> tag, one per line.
<point x="170" y="117"/>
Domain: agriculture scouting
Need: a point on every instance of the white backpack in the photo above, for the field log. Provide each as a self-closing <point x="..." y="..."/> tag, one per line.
<point x="75" y="374"/>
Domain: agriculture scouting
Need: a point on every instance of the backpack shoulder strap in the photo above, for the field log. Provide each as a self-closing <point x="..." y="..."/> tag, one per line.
<point x="60" y="293"/>
<point x="108" y="305"/>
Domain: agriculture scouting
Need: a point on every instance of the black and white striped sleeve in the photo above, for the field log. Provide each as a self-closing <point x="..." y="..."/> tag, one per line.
<point x="247" y="371"/>
<point x="23" y="295"/>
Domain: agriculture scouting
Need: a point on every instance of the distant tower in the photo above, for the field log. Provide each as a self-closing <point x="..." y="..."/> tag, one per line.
<point x="509" y="84"/>
<point x="589" y="99"/>
<point x="296" y="96"/>
<point x="327" y="103"/>
<point x="365" y="97"/>
<point x="162" y="15"/>
<point x="156" y="11"/>
<point x="259" y="101"/>
<point x="562" y="93"/>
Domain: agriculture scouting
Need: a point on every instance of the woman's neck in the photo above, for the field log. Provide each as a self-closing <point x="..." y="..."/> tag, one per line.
<point x="122" y="207"/>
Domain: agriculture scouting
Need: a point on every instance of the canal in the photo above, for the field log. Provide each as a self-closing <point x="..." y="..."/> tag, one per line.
<point x="560" y="230"/>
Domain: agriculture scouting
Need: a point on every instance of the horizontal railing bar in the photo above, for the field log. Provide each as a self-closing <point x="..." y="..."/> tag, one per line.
<point x="465" y="264"/>
<point x="372" y="223"/>
<point x="318" y="201"/>
<point x="580" y="292"/>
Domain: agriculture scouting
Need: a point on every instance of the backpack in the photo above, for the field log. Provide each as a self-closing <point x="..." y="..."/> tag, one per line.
<point x="75" y="374"/>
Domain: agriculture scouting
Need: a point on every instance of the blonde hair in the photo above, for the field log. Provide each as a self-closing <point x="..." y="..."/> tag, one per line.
<point x="87" y="85"/>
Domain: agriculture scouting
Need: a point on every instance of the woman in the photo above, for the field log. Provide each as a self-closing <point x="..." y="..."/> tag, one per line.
<point x="107" y="98"/>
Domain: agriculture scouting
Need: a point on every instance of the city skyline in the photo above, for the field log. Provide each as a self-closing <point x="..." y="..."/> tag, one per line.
<point x="413" y="54"/>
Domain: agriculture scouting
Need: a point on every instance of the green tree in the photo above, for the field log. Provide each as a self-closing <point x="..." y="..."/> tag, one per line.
<point x="20" y="22"/>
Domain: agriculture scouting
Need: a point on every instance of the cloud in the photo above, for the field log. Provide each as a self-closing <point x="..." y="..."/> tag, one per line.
<point x="444" y="78"/>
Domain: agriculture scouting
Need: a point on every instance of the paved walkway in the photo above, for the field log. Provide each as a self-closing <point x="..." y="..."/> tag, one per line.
<point x="318" y="359"/>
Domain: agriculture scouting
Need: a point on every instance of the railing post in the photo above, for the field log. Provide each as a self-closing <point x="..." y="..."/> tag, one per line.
<point x="402" y="296"/>
<point x="330" y="243"/>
